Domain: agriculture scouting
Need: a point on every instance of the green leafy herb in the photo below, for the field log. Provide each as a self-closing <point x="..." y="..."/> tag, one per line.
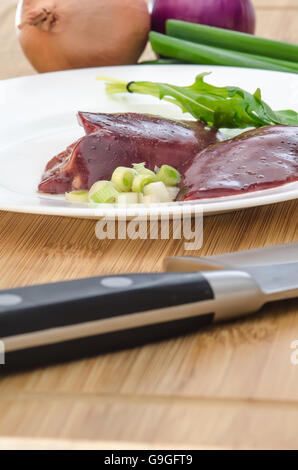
<point x="229" y="107"/>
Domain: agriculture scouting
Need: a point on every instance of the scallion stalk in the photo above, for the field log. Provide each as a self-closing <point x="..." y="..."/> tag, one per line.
<point x="234" y="40"/>
<point x="202" y="54"/>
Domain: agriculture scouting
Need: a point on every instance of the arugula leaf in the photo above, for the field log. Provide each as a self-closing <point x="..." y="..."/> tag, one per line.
<point x="229" y="107"/>
<point x="287" y="117"/>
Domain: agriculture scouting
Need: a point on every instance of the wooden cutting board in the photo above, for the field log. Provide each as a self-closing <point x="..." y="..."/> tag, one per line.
<point x="230" y="386"/>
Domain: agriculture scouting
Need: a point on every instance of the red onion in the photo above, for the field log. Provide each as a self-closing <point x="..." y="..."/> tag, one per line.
<point x="229" y="14"/>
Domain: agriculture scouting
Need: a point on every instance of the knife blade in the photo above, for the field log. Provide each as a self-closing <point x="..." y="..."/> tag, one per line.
<point x="278" y="281"/>
<point x="75" y="319"/>
<point x="278" y="254"/>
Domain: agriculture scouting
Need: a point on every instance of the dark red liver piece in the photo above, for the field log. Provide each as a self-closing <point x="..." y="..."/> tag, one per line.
<point x="258" y="159"/>
<point x="114" y="140"/>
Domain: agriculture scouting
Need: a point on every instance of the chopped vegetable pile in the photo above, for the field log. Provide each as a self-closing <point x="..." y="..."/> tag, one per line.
<point x="136" y="185"/>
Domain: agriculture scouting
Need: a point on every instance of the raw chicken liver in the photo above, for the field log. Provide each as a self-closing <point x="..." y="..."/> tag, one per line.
<point x="114" y="140"/>
<point x="258" y="159"/>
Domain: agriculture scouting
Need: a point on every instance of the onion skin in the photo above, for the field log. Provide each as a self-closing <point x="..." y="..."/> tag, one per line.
<point x="67" y="34"/>
<point x="238" y="15"/>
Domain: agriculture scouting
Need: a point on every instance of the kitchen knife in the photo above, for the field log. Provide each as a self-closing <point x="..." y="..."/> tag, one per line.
<point x="69" y="320"/>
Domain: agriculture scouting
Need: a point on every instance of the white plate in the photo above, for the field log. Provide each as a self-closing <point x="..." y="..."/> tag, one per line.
<point x="38" y="120"/>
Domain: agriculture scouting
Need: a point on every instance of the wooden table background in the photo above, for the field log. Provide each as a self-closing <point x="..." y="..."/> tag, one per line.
<point x="230" y="386"/>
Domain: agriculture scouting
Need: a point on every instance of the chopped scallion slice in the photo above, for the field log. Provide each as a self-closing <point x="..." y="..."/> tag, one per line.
<point x="173" y="192"/>
<point x="139" y="167"/>
<point x="158" y="191"/>
<point x="169" y="175"/>
<point x="150" y="199"/>
<point x="77" y="196"/>
<point x="103" y="192"/>
<point x="142" y="170"/>
<point x="122" y="178"/>
<point x="140" y="181"/>
<point x="95" y="187"/>
<point x="128" y="198"/>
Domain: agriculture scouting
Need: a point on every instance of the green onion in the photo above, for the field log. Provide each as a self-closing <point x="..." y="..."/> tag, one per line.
<point x="169" y="175"/>
<point x="140" y="181"/>
<point x="77" y="196"/>
<point x="103" y="192"/>
<point x="128" y="198"/>
<point x="151" y="199"/>
<point x="122" y="178"/>
<point x="157" y="192"/>
<point x="201" y="54"/>
<point x="228" y="39"/>
<point x="142" y="170"/>
<point x="139" y="167"/>
<point x="173" y="192"/>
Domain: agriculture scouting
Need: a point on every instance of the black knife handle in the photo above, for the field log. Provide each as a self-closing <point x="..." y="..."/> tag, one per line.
<point x="68" y="320"/>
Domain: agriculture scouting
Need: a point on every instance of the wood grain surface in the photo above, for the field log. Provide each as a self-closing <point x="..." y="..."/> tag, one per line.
<point x="230" y="386"/>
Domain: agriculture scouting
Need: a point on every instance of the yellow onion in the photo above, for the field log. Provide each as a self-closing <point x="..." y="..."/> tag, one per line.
<point x="67" y="34"/>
